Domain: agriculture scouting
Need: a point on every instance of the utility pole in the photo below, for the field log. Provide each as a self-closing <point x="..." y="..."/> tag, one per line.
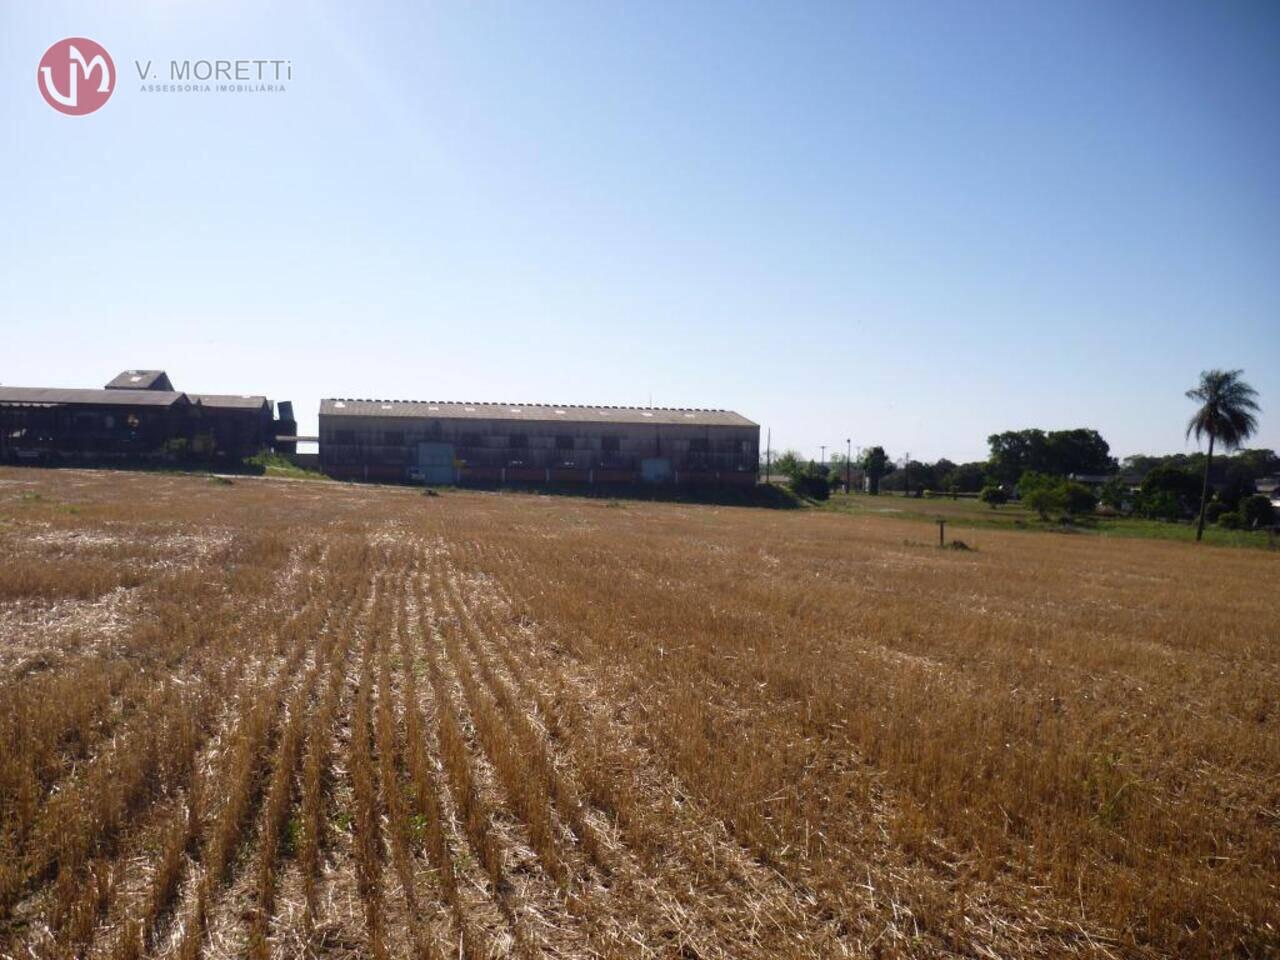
<point x="848" y="465"/>
<point x="823" y="459"/>
<point x="906" y="480"/>
<point x="768" y="456"/>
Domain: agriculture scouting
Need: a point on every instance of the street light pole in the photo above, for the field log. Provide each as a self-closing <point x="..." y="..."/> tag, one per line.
<point x="823" y="459"/>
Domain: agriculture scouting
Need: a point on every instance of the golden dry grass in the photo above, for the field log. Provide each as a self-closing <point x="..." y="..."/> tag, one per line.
<point x="281" y="718"/>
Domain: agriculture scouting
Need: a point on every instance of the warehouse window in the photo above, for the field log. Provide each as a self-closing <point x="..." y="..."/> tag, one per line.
<point x="699" y="445"/>
<point x="393" y="438"/>
<point x="344" y="436"/>
<point x="610" y="444"/>
<point x="564" y="443"/>
<point x="517" y="441"/>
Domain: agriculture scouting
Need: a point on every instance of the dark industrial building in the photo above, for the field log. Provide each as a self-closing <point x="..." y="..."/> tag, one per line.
<point x="521" y="443"/>
<point x="137" y="416"/>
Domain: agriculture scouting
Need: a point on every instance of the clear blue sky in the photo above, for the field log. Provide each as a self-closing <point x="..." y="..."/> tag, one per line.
<point x="909" y="224"/>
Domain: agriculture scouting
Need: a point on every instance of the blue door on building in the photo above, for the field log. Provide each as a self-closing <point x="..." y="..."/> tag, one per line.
<point x="435" y="463"/>
<point x="655" y="470"/>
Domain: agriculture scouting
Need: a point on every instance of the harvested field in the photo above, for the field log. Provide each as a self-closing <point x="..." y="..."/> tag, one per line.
<point x="281" y="719"/>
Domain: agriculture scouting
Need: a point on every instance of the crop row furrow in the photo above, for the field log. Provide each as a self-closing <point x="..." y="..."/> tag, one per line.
<point x="238" y="792"/>
<point x="149" y="756"/>
<point x="670" y="846"/>
<point x="442" y="837"/>
<point x="641" y="905"/>
<point x="368" y="810"/>
<point x="281" y="794"/>
<point x="490" y="831"/>
<point x="172" y="825"/>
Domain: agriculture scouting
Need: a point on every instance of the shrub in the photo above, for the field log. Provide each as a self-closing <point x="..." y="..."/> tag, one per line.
<point x="993" y="496"/>
<point x="811" y="483"/>
<point x="1237" y="487"/>
<point x="1048" y="494"/>
<point x="806" y="480"/>
<point x="788" y="464"/>
<point x="1168" y="493"/>
<point x="1161" y="505"/>
<point x="1079" y="498"/>
<point x="277" y="464"/>
<point x="1114" y="493"/>
<point x="1257" y="511"/>
<point x="1230" y="521"/>
<point x="1043" y="493"/>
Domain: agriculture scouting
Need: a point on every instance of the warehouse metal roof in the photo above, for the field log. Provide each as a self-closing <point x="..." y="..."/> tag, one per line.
<point x="141" y="380"/>
<point x="541" y="412"/>
<point x="228" y="401"/>
<point x="119" y="398"/>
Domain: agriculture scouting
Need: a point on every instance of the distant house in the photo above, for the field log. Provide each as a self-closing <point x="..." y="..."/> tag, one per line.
<point x="1130" y="480"/>
<point x="1269" y="487"/>
<point x="1091" y="479"/>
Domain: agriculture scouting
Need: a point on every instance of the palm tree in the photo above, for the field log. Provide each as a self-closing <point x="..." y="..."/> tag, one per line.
<point x="1226" y="414"/>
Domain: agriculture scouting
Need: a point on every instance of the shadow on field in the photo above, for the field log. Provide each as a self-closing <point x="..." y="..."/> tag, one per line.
<point x="194" y="466"/>
<point x="766" y="496"/>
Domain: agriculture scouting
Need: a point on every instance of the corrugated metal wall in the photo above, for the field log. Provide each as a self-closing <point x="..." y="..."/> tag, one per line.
<point x="533" y="452"/>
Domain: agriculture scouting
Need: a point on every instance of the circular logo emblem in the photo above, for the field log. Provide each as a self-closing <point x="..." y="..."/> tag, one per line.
<point x="76" y="76"/>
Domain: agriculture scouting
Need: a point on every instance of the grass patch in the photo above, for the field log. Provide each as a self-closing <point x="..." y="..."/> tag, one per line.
<point x="973" y="514"/>
<point x="278" y="465"/>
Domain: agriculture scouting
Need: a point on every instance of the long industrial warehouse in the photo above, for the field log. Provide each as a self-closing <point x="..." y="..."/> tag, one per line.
<point x="441" y="442"/>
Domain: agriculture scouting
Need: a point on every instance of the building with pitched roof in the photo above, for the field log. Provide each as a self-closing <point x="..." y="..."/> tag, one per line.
<point x="432" y="441"/>
<point x="137" y="415"/>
